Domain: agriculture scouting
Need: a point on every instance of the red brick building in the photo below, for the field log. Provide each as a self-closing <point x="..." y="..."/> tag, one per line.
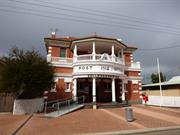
<point x="100" y="68"/>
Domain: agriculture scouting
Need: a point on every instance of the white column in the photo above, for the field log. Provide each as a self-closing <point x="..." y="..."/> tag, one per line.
<point x="48" y="58"/>
<point x="123" y="91"/>
<point x="75" y="88"/>
<point x="75" y="53"/>
<point x="94" y="50"/>
<point x="113" y="90"/>
<point x="94" y="89"/>
<point x="122" y="54"/>
<point x="112" y="53"/>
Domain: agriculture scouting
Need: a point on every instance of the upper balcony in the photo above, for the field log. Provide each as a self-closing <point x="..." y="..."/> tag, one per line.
<point x="133" y="65"/>
<point x="94" y="51"/>
<point x="104" y="58"/>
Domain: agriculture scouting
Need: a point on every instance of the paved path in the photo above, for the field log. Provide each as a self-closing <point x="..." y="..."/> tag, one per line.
<point x="158" y="115"/>
<point x="9" y="123"/>
<point x="168" y="132"/>
<point x="117" y="116"/>
<point x="91" y="121"/>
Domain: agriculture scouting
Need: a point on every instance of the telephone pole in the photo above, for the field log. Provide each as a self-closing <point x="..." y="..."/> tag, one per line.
<point x="160" y="87"/>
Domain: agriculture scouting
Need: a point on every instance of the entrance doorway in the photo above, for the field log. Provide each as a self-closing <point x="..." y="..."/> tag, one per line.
<point x="84" y="88"/>
<point x="103" y="89"/>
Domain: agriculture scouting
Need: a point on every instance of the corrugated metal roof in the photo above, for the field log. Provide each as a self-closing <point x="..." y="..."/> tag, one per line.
<point x="173" y="81"/>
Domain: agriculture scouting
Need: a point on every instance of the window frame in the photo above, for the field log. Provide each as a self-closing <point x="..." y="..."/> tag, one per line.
<point x="63" y="48"/>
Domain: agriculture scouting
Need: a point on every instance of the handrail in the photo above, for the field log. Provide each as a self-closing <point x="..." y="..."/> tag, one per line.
<point x="56" y="104"/>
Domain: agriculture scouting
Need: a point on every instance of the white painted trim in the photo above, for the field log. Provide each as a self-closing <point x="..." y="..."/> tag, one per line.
<point x="63" y="75"/>
<point x="135" y="81"/>
<point x="135" y="91"/>
<point x="130" y="78"/>
<point x="53" y="90"/>
<point x="45" y="92"/>
<point x="68" y="90"/>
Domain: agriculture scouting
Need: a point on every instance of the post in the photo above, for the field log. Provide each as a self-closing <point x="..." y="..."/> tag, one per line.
<point x="122" y="55"/>
<point x="94" y="93"/>
<point x="94" y="50"/>
<point x="113" y="90"/>
<point x="123" y="91"/>
<point x="45" y="107"/>
<point x="75" y="53"/>
<point x="112" y="53"/>
<point x="58" y="107"/>
<point x="75" y="89"/>
<point x="160" y="87"/>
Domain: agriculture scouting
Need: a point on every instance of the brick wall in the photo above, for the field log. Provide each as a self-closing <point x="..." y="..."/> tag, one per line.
<point x="132" y="73"/>
<point x="55" y="51"/>
<point x="133" y="91"/>
<point x="63" y="70"/>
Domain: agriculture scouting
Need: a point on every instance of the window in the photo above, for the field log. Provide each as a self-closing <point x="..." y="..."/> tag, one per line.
<point x="67" y="87"/>
<point x="62" y="52"/>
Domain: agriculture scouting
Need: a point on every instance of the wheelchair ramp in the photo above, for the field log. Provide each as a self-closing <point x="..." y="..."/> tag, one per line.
<point x="59" y="108"/>
<point x="64" y="110"/>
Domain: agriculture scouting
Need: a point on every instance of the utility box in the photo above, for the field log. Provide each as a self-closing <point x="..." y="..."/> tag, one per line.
<point x="129" y="114"/>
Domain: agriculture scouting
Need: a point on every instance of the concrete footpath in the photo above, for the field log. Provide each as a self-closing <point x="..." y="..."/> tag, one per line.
<point x="89" y="121"/>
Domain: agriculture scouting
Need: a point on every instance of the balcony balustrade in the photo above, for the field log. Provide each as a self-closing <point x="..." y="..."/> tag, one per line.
<point x="133" y="65"/>
<point x="60" y="60"/>
<point x="91" y="57"/>
<point x="99" y="57"/>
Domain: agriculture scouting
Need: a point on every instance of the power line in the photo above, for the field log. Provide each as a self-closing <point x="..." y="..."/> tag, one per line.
<point x="157" y="49"/>
<point x="162" y="48"/>
<point x="27" y="3"/>
<point x="86" y="18"/>
<point x="132" y="18"/>
<point x="71" y="10"/>
<point x="84" y="21"/>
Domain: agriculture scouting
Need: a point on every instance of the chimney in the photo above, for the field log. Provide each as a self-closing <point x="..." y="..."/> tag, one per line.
<point x="53" y="34"/>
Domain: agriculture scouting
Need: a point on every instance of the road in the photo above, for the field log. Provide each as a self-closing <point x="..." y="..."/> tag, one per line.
<point x="168" y="132"/>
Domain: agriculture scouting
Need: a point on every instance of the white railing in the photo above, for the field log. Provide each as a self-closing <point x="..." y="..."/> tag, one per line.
<point x="134" y="65"/>
<point x="99" y="57"/>
<point x="61" y="60"/>
<point x="84" y="57"/>
<point x="87" y="57"/>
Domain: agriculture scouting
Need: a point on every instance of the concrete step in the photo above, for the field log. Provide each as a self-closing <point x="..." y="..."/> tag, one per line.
<point x="112" y="105"/>
<point x="106" y="105"/>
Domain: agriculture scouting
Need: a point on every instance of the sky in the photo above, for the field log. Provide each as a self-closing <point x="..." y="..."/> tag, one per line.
<point x="151" y="25"/>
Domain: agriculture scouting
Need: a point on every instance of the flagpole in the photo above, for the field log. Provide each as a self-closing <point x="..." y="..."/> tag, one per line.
<point x="160" y="87"/>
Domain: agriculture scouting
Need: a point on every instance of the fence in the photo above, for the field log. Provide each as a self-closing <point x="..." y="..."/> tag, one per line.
<point x="6" y="102"/>
<point x="169" y="101"/>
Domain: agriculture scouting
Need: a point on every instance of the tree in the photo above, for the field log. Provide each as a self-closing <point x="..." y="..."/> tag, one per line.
<point x="155" y="77"/>
<point x="26" y="74"/>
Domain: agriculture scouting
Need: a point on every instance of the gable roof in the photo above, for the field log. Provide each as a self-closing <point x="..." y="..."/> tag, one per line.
<point x="173" y="81"/>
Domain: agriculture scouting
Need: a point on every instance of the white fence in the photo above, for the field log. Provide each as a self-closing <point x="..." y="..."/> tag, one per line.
<point x="169" y="101"/>
<point x="29" y="106"/>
